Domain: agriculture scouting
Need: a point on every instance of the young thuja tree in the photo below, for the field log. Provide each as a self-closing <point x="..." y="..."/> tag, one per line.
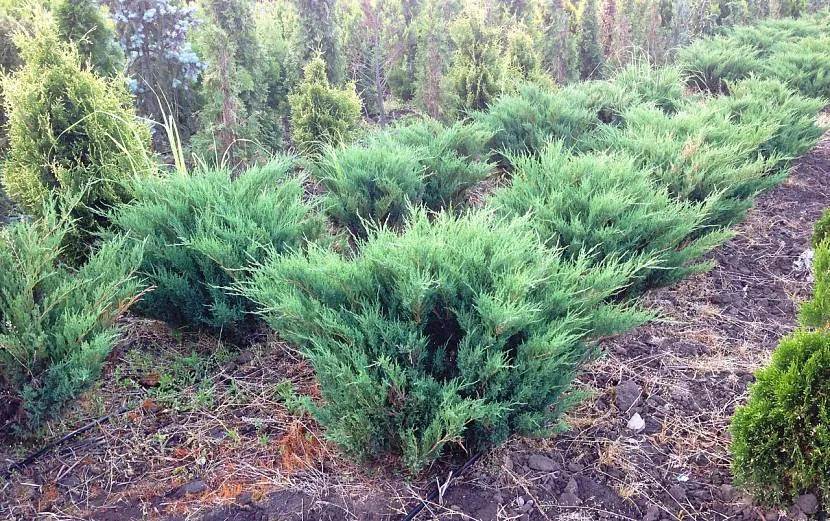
<point x="275" y="22"/>
<point x="431" y="58"/>
<point x="781" y="437"/>
<point x="322" y="114"/>
<point x="561" y="52"/>
<point x="318" y="35"/>
<point x="86" y="24"/>
<point x="477" y="71"/>
<point x="231" y="89"/>
<point x="202" y="229"/>
<point x="590" y="45"/>
<point x="815" y="312"/>
<point x="70" y="131"/>
<point x="56" y="323"/>
<point x="456" y="333"/>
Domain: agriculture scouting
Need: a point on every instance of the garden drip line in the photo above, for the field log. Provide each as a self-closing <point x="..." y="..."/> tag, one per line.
<point x="438" y="489"/>
<point x="33" y="457"/>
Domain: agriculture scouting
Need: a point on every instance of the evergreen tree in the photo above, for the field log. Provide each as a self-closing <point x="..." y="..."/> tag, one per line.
<point x="276" y="21"/>
<point x="231" y="89"/>
<point x="70" y="132"/>
<point x="433" y="49"/>
<point x="319" y="34"/>
<point x="322" y="114"/>
<point x="560" y="53"/>
<point x="477" y="72"/>
<point x="87" y="25"/>
<point x="590" y="46"/>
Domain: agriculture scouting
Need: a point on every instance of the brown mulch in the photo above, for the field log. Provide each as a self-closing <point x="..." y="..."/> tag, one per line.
<point x="229" y="448"/>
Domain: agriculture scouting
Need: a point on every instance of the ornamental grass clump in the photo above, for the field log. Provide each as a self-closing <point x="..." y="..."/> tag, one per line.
<point x="56" y="322"/>
<point x="202" y="229"/>
<point x="608" y="206"/>
<point x="453" y="334"/>
<point x="781" y="437"/>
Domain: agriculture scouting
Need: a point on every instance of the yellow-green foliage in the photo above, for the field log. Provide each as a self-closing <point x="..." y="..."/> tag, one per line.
<point x="821" y="230"/>
<point x="478" y="69"/>
<point x="322" y="114"/>
<point x="70" y="131"/>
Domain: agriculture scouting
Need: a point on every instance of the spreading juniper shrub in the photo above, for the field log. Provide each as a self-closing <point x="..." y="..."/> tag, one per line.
<point x="457" y="332"/>
<point x="56" y="321"/>
<point x="202" y="229"/>
<point x="607" y="205"/>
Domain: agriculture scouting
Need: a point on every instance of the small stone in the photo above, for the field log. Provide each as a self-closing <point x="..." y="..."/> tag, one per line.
<point x="652" y="513"/>
<point x="455" y="507"/>
<point x="727" y="492"/>
<point x="527" y="507"/>
<point x="808" y="503"/>
<point x="627" y="395"/>
<point x="575" y="467"/>
<point x="541" y="463"/>
<point x="520" y="501"/>
<point x="194" y="487"/>
<point x="572" y="487"/>
<point x="677" y="492"/>
<point x="636" y="423"/>
<point x="569" y="500"/>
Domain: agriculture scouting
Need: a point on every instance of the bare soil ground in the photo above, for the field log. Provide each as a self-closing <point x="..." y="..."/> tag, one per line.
<point x="209" y="435"/>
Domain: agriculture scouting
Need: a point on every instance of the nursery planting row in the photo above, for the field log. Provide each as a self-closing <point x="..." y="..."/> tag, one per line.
<point x="431" y="325"/>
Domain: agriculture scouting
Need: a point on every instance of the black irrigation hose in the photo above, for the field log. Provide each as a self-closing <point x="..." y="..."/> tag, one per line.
<point x="33" y="457"/>
<point x="436" y="490"/>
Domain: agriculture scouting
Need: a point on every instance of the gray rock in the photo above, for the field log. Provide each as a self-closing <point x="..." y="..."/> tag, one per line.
<point x="808" y="503"/>
<point x="677" y="492"/>
<point x="194" y="487"/>
<point x="652" y="513"/>
<point x="628" y="393"/>
<point x="569" y="500"/>
<point x="572" y="487"/>
<point x="575" y="467"/>
<point x="541" y="463"/>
